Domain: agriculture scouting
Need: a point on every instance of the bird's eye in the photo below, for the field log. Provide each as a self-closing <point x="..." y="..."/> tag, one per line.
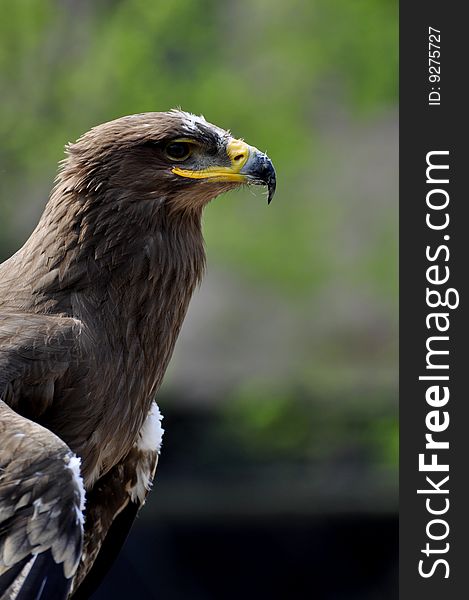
<point x="178" y="150"/>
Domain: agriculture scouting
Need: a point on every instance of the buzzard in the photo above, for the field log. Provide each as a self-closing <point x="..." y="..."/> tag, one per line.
<point x="90" y="309"/>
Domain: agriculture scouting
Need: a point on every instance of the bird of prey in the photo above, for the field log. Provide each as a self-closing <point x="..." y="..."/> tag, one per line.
<point x="90" y="309"/>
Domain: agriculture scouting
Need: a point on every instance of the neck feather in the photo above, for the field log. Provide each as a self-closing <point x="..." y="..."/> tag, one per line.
<point x="127" y="268"/>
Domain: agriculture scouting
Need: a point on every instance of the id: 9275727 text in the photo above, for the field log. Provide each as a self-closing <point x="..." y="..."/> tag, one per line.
<point x="434" y="72"/>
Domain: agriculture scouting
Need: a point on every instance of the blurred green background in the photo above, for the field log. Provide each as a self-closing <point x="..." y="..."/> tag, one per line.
<point x="281" y="398"/>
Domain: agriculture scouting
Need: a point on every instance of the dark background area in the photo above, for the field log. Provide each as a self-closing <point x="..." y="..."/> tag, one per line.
<point x="278" y="474"/>
<point x="225" y="527"/>
<point x="348" y="557"/>
<point x="223" y="524"/>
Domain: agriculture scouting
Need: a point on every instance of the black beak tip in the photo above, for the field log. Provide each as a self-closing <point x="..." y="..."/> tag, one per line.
<point x="271" y="185"/>
<point x="260" y="171"/>
<point x="269" y="177"/>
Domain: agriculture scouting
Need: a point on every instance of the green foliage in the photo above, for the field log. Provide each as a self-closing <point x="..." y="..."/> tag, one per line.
<point x="285" y="422"/>
<point x="261" y="68"/>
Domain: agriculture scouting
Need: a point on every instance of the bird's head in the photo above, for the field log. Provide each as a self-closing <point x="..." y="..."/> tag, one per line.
<point x="174" y="158"/>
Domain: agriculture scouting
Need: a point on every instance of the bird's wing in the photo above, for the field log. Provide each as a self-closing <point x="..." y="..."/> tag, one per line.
<point x="41" y="511"/>
<point x="40" y="494"/>
<point x="35" y="351"/>
<point x="113" y="503"/>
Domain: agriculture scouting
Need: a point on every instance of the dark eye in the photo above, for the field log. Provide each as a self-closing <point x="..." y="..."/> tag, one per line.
<point x="178" y="150"/>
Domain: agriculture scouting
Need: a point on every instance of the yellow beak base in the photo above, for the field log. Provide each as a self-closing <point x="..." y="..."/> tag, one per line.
<point x="238" y="153"/>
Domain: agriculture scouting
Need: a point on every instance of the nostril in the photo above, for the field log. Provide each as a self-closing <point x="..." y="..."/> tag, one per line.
<point x="239" y="157"/>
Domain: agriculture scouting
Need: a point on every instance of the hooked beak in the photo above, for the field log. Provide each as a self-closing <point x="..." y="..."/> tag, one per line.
<point x="259" y="170"/>
<point x="248" y="165"/>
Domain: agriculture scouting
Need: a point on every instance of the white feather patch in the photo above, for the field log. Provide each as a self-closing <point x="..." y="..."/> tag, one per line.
<point x="149" y="442"/>
<point x="74" y="464"/>
<point x="151" y="434"/>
